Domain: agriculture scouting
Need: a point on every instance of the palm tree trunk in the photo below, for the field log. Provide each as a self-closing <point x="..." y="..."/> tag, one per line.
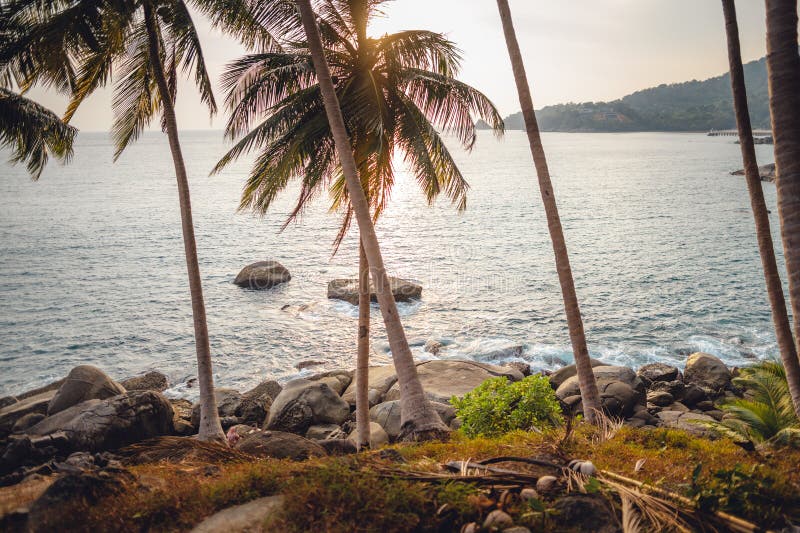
<point x="210" y="427"/>
<point x="589" y="393"/>
<point x="783" y="69"/>
<point x="780" y="318"/>
<point x="362" y="361"/>
<point x="419" y="420"/>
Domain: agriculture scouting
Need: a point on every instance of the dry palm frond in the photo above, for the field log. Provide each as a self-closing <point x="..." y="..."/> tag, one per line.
<point x="181" y="449"/>
<point x="607" y="427"/>
<point x="631" y="518"/>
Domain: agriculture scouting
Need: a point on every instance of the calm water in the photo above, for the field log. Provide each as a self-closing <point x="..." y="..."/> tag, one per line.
<point x="660" y="235"/>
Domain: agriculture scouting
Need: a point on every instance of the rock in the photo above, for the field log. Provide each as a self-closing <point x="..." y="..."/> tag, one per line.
<point x="27" y="421"/>
<point x="228" y="401"/>
<point x="693" y="395"/>
<point x="547" y="485"/>
<point x="262" y="275"/>
<point x="335" y="383"/>
<point x="456" y="423"/>
<point x="676" y="388"/>
<point x="345" y="378"/>
<point x="303" y="403"/>
<point x="657" y="372"/>
<point x="517" y="529"/>
<point x="529" y="494"/>
<point x="621" y="390"/>
<point x="150" y="381"/>
<point x="707" y="372"/>
<point x="433" y="347"/>
<point x="443" y="379"/>
<point x="586" y="468"/>
<point x="302" y="365"/>
<point x="52" y="386"/>
<point x="497" y="520"/>
<point x="347" y="289"/>
<point x="377" y="436"/>
<point x="690" y="422"/>
<point x="584" y="512"/>
<point x="97" y="425"/>
<point x="387" y="414"/>
<point x="339" y="446"/>
<point x="83" y="383"/>
<point x="381" y="378"/>
<point x="33" y="404"/>
<point x="246" y="518"/>
<point x="716" y="414"/>
<point x="280" y="445"/>
<point x="563" y="374"/>
<point x="660" y="398"/>
<point x="182" y="417"/>
<point x="270" y="387"/>
<point x="325" y="432"/>
<point x="522" y="367"/>
<point x="766" y="172"/>
<point x="677" y="406"/>
<point x="5" y="401"/>
<point x="705" y="405"/>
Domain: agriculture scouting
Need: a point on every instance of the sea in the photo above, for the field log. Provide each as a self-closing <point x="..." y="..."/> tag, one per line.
<point x="660" y="236"/>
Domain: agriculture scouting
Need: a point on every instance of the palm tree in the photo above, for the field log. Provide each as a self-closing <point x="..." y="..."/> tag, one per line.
<point x="75" y="46"/>
<point x="588" y="385"/>
<point x="393" y="90"/>
<point x="780" y="318"/>
<point x="33" y="132"/>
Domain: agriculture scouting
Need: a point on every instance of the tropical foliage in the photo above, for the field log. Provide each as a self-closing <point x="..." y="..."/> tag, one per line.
<point x="765" y="415"/>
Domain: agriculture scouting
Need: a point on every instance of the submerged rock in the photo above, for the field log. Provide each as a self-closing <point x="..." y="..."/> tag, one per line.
<point x="403" y="290"/>
<point x="149" y="381"/>
<point x="84" y="382"/>
<point x="262" y="275"/>
<point x="765" y="172"/>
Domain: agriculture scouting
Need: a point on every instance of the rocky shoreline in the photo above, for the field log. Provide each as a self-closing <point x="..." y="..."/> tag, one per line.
<point x="87" y="416"/>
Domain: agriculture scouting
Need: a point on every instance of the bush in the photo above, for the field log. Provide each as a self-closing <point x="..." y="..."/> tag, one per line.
<point x="498" y="406"/>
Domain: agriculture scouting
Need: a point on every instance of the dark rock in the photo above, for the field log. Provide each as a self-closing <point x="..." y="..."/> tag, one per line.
<point x="347" y="289"/>
<point x="563" y="374"/>
<point x="433" y="346"/>
<point x="280" y="445"/>
<point x="302" y="365"/>
<point x="5" y="401"/>
<point x="657" y="372"/>
<point x="766" y="172"/>
<point x="270" y="388"/>
<point x="693" y="395"/>
<point x="33" y="404"/>
<point x="707" y="372"/>
<point x="676" y="388"/>
<point x="620" y="389"/>
<point x="339" y="446"/>
<point x="97" y="425"/>
<point x="325" y="432"/>
<point x="84" y="382"/>
<point x="716" y="414"/>
<point x="660" y="398"/>
<point x="150" y="381"/>
<point x="52" y="386"/>
<point x="303" y="403"/>
<point x="262" y="275"/>
<point x="705" y="405"/>
<point x="585" y="512"/>
<point x="238" y="408"/>
<point x="522" y="367"/>
<point x="27" y="421"/>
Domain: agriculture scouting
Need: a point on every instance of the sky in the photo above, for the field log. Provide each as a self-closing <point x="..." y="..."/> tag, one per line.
<point x="574" y="50"/>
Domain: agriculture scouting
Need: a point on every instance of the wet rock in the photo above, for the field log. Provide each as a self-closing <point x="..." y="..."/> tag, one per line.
<point x="347" y="289"/>
<point x="657" y="372"/>
<point x="280" y="445"/>
<point x="310" y="363"/>
<point x="585" y="512"/>
<point x="707" y="372"/>
<point x="97" y="425"/>
<point x="262" y="275"/>
<point x="150" y="381"/>
<point x="249" y="517"/>
<point x="433" y="347"/>
<point x="563" y="374"/>
<point x="325" y="432"/>
<point x="84" y="382"/>
<point x="377" y="436"/>
<point x="303" y="403"/>
<point x="498" y="519"/>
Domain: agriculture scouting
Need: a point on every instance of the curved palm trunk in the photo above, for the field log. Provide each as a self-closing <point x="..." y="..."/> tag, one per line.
<point x="210" y="427"/>
<point x="589" y="393"/>
<point x="780" y="318"/>
<point x="362" y="360"/>
<point x="419" y="420"/>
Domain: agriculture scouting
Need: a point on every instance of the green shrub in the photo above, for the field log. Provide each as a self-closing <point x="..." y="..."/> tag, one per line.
<point x="498" y="406"/>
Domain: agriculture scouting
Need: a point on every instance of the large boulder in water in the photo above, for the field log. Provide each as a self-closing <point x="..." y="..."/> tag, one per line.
<point x="84" y="382"/>
<point x="303" y="403"/>
<point x="707" y="372"/>
<point x="262" y="275"/>
<point x="280" y="445"/>
<point x="97" y="425"/>
<point x="403" y="290"/>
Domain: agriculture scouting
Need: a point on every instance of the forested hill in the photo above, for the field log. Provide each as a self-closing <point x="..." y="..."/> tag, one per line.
<point x="689" y="106"/>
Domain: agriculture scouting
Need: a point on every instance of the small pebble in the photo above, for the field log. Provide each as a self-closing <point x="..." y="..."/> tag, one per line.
<point x="529" y="494"/>
<point x="498" y="520"/>
<point x="546" y="484"/>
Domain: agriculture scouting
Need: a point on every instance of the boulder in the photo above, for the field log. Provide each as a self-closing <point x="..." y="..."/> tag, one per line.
<point x="269" y="387"/>
<point x="693" y="423"/>
<point x="249" y="517"/>
<point x="5" y="401"/>
<point x="97" y="425"/>
<point x="347" y="289"/>
<point x="325" y="432"/>
<point x="433" y="346"/>
<point x="182" y="417"/>
<point x="228" y="401"/>
<point x="676" y="388"/>
<point x="381" y="378"/>
<point x="620" y="390"/>
<point x="27" y="421"/>
<point x="345" y="377"/>
<point x="657" y="372"/>
<point x="84" y="382"/>
<point x="303" y="403"/>
<point x="563" y="374"/>
<point x="339" y="446"/>
<point x="521" y="366"/>
<point x="377" y="436"/>
<point x="33" y="404"/>
<point x="280" y="445"/>
<point x="387" y="414"/>
<point x="660" y="398"/>
<point x="262" y="275"/>
<point x="443" y="379"/>
<point x="707" y="372"/>
<point x="150" y="381"/>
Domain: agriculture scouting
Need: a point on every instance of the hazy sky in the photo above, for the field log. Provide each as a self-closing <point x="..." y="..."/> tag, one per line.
<point x="575" y="50"/>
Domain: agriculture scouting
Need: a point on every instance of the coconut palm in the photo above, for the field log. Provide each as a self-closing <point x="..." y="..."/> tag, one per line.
<point x="393" y="91"/>
<point x="588" y="385"/>
<point x="76" y="45"/>
<point x="780" y="318"/>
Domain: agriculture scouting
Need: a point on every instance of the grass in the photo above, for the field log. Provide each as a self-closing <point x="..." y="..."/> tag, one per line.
<point x="350" y="494"/>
